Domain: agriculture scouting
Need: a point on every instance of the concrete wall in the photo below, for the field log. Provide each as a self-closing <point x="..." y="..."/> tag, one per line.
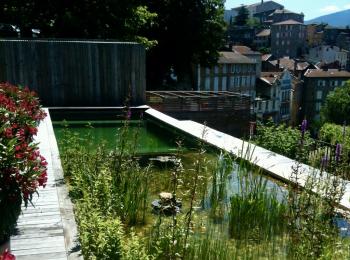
<point x="76" y="73"/>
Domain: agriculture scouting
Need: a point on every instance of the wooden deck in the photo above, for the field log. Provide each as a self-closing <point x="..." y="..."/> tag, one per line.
<point x="47" y="230"/>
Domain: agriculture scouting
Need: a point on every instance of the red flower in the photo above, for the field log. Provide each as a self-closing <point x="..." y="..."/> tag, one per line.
<point x="7" y="256"/>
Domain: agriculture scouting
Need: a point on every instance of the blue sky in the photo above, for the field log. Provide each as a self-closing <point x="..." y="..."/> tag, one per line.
<point x="311" y="8"/>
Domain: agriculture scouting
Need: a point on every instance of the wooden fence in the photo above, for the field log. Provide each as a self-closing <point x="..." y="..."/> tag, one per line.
<point x="76" y="73"/>
<point x="222" y="110"/>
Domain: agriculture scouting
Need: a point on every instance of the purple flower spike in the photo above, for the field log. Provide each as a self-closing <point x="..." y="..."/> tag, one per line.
<point x="128" y="114"/>
<point x="324" y="162"/>
<point x="303" y="126"/>
<point x="337" y="152"/>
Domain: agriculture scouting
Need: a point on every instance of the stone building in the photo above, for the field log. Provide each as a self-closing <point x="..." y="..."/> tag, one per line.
<point x="234" y="72"/>
<point x="263" y="39"/>
<point x="273" y="96"/>
<point x="281" y="15"/>
<point x="314" y="35"/>
<point x="262" y="10"/>
<point x="327" y="54"/>
<point x="317" y="84"/>
<point x="288" y="38"/>
<point x="249" y="53"/>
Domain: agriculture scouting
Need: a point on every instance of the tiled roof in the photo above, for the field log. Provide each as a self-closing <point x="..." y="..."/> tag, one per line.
<point x="243" y="50"/>
<point x="287" y="63"/>
<point x="282" y="11"/>
<point x="331" y="73"/>
<point x="264" y="33"/>
<point x="265" y="57"/>
<point x="270" y="77"/>
<point x="288" y="22"/>
<point x="232" y="57"/>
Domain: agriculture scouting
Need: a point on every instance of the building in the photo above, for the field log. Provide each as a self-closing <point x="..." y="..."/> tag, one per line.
<point x="262" y="9"/>
<point x="249" y="53"/>
<point x="317" y="84"/>
<point x="241" y="35"/>
<point x="229" y="16"/>
<point x="314" y="35"/>
<point x="294" y="66"/>
<point x="343" y="41"/>
<point x="281" y="15"/>
<point x="263" y="39"/>
<point x="288" y="38"/>
<point x="331" y="34"/>
<point x="234" y="72"/>
<point x="273" y="96"/>
<point x="327" y="54"/>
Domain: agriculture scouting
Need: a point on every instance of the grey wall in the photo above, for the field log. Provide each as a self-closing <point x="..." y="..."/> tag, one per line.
<point x="76" y="73"/>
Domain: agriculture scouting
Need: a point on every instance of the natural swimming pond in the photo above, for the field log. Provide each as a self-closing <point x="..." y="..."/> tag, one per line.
<point x="228" y="197"/>
<point x="147" y="138"/>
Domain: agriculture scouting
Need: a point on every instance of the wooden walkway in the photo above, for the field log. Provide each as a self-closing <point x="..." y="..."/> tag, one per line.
<point x="278" y="166"/>
<point x="47" y="231"/>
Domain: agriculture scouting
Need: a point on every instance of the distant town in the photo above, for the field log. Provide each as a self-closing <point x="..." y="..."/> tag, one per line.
<point x="286" y="66"/>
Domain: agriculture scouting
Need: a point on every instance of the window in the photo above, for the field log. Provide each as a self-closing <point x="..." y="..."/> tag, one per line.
<point x="274" y="104"/>
<point x="253" y="80"/>
<point x="207" y="71"/>
<point x="233" y="68"/>
<point x="277" y="35"/>
<point x="336" y="83"/>
<point x="224" y="83"/>
<point x="244" y="81"/>
<point x="318" y="106"/>
<point x="319" y="94"/>
<point x="224" y="68"/>
<point x="216" y="84"/>
<point x="207" y="83"/>
<point x="216" y="69"/>
<point x="321" y="83"/>
<point x="343" y="83"/>
<point x="266" y="105"/>
<point x="282" y="42"/>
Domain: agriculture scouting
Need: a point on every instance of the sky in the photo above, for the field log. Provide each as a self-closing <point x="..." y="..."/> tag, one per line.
<point x="311" y="8"/>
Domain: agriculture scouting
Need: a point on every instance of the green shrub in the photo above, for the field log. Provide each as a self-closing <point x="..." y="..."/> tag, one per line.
<point x="100" y="235"/>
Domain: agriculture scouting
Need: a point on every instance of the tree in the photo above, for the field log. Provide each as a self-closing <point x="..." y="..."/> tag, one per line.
<point x="105" y="19"/>
<point x="242" y="16"/>
<point x="182" y="32"/>
<point x="188" y="32"/>
<point x="337" y="106"/>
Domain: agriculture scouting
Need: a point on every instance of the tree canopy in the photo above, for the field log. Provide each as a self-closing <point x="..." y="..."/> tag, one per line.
<point x="337" y="106"/>
<point x="188" y="32"/>
<point x="242" y="16"/>
<point x="104" y="19"/>
<point x="181" y="32"/>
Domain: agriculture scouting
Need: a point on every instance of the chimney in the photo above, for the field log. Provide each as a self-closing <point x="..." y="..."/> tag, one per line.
<point x="295" y="66"/>
<point x="262" y="1"/>
<point x="278" y="65"/>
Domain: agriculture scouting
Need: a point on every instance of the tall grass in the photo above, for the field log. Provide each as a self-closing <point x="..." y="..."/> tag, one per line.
<point x="254" y="221"/>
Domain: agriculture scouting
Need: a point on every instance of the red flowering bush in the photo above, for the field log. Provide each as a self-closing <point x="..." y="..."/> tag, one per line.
<point x="7" y="256"/>
<point x="22" y="168"/>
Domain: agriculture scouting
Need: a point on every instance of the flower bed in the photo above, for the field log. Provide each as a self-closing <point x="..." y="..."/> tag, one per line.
<point x="22" y="168"/>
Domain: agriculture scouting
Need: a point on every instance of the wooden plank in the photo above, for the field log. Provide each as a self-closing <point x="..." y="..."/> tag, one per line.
<point x="83" y="73"/>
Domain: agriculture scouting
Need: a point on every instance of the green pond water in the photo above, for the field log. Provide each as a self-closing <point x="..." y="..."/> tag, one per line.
<point x="149" y="141"/>
<point x="143" y="137"/>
